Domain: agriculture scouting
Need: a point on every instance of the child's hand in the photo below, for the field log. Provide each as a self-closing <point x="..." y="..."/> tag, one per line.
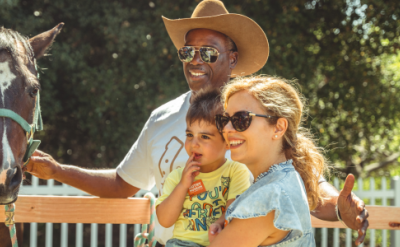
<point x="190" y="172"/>
<point x="213" y="231"/>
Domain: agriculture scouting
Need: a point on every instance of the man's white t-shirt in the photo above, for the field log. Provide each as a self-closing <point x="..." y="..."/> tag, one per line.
<point x="159" y="150"/>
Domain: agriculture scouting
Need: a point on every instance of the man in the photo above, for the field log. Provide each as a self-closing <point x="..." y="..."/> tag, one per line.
<point x="214" y="46"/>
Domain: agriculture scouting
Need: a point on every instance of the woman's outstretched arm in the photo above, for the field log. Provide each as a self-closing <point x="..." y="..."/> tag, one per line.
<point x="249" y="232"/>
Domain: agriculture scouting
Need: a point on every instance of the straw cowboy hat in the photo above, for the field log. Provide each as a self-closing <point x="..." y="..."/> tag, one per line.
<point x="250" y="39"/>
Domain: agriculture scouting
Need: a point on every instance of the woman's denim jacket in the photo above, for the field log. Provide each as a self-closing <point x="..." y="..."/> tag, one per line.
<point x="281" y="189"/>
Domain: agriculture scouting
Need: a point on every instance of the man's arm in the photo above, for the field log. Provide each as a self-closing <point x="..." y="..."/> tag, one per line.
<point x="352" y="209"/>
<point x="327" y="210"/>
<point x="102" y="183"/>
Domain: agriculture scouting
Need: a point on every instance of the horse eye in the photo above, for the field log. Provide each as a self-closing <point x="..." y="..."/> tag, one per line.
<point x="34" y="92"/>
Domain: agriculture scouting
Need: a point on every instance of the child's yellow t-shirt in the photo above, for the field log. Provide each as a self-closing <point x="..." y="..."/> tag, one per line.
<point x="200" y="211"/>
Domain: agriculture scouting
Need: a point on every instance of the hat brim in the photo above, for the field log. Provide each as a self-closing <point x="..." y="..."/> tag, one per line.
<point x="250" y="39"/>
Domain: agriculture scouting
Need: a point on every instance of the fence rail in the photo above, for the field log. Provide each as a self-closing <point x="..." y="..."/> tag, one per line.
<point x="376" y="219"/>
<point x="65" y="190"/>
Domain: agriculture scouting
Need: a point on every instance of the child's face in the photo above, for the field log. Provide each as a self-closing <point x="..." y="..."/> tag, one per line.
<point x="206" y="143"/>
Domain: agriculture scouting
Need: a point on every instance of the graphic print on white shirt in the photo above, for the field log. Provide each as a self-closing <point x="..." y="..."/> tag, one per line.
<point x="172" y="150"/>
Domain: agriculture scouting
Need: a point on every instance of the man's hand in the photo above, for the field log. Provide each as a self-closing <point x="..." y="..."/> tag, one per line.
<point x="42" y="165"/>
<point x="215" y="229"/>
<point x="190" y="172"/>
<point x="352" y="210"/>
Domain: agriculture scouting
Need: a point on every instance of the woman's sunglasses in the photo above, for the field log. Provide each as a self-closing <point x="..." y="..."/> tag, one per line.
<point x="240" y="120"/>
<point x="207" y="54"/>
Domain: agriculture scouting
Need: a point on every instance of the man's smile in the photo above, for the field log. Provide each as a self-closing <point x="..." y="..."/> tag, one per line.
<point x="196" y="74"/>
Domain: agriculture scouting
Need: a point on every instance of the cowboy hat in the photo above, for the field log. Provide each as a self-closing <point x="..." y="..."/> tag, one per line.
<point x="250" y="39"/>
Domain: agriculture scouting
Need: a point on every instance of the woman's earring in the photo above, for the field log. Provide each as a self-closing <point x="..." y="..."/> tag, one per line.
<point x="276" y="136"/>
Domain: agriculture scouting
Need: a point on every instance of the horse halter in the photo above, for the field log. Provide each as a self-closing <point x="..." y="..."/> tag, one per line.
<point x="30" y="129"/>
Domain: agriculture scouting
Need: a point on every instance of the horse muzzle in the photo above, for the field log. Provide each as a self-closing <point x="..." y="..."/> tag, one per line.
<point x="10" y="187"/>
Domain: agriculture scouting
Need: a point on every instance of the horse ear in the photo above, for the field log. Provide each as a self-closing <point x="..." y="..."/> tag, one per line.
<point x="41" y="42"/>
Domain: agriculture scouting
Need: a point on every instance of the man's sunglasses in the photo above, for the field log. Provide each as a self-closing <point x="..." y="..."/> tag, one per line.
<point x="207" y="54"/>
<point x="240" y="120"/>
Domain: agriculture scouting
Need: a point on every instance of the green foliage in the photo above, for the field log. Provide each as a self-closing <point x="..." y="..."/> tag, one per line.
<point x="114" y="63"/>
<point x="8" y="3"/>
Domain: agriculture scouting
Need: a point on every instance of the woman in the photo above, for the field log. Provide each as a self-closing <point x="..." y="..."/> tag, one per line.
<point x="262" y="127"/>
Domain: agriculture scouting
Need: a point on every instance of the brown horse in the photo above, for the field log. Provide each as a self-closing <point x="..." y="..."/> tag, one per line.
<point x="19" y="86"/>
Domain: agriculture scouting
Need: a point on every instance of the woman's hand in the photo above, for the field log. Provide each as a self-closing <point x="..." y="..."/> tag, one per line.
<point x="190" y="172"/>
<point x="214" y="230"/>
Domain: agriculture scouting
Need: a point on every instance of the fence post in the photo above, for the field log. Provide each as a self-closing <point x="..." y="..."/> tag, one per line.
<point x="384" y="203"/>
<point x="336" y="231"/>
<point x="109" y="230"/>
<point x="372" y="202"/>
<point x="360" y="184"/>
<point x="49" y="226"/>
<point x="93" y="235"/>
<point x="395" y="234"/>
<point x="122" y="235"/>
<point x="79" y="235"/>
<point x="34" y="226"/>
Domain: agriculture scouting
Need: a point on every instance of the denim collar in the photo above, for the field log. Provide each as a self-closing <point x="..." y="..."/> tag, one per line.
<point x="276" y="167"/>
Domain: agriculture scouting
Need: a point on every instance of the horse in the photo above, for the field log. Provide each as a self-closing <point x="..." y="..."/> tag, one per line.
<point x="19" y="87"/>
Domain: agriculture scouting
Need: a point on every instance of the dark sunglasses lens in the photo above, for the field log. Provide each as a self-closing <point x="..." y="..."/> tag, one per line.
<point x="186" y="54"/>
<point x="209" y="54"/>
<point x="221" y="122"/>
<point x="241" y="121"/>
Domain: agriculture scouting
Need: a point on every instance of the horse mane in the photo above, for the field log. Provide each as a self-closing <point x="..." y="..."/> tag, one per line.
<point x="8" y="39"/>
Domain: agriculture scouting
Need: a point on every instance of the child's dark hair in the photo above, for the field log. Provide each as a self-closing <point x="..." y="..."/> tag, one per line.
<point x="205" y="105"/>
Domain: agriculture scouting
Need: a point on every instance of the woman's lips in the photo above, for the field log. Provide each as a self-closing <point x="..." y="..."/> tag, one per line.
<point x="235" y="143"/>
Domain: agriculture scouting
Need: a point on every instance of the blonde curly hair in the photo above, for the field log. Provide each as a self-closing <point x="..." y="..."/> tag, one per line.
<point x="281" y="99"/>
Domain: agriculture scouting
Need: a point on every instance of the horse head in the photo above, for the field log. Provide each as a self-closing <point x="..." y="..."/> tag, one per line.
<point x="19" y="87"/>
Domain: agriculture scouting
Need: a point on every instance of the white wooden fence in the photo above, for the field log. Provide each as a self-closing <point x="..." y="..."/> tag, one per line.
<point x="383" y="195"/>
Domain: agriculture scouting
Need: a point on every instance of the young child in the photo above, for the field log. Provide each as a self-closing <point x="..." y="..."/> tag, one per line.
<point x="196" y="196"/>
